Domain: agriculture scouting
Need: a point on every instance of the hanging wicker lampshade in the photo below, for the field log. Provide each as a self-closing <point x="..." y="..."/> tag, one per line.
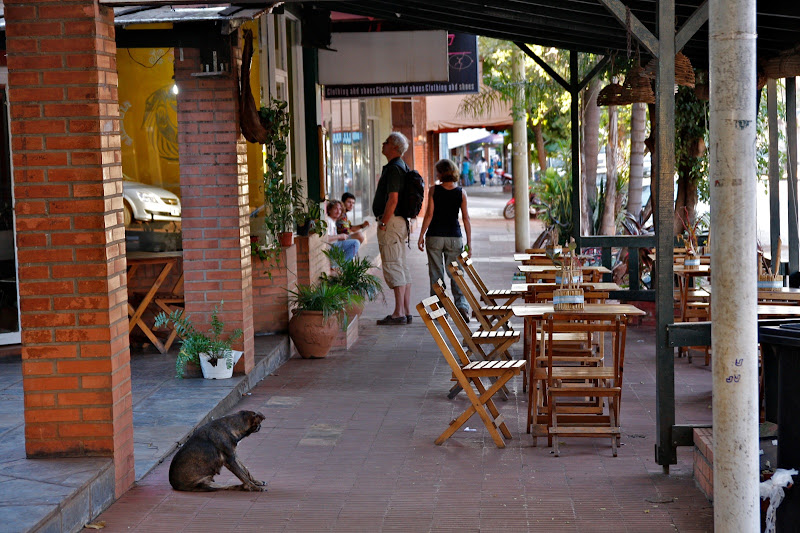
<point x="684" y="72"/>
<point x="613" y="94"/>
<point x="638" y="86"/>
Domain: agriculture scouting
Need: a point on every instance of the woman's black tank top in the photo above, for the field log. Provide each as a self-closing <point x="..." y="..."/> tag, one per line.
<point x="446" y="205"/>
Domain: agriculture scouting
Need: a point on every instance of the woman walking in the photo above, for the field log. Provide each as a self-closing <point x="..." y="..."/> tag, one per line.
<point x="441" y="232"/>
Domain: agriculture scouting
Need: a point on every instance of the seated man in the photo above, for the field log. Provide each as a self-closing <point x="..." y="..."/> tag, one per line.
<point x="345" y="225"/>
<point x="349" y="246"/>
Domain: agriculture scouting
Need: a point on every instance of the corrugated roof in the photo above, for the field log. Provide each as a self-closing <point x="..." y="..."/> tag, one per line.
<point x="124" y="16"/>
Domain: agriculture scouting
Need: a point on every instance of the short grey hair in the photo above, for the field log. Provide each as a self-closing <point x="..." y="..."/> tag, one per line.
<point x="399" y="141"/>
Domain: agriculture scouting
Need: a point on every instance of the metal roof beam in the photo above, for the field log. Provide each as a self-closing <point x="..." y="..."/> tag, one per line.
<point x="542" y="63"/>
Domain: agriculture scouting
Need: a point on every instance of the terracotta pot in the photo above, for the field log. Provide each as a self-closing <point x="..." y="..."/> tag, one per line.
<point x="286" y="238"/>
<point x="312" y="335"/>
<point x="354" y="309"/>
<point x="192" y="370"/>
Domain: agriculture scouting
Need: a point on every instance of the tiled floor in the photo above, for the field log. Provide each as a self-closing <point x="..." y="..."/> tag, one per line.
<point x="347" y="445"/>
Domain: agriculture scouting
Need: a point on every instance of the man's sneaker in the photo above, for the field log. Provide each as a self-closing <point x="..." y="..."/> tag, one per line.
<point x="389" y="320"/>
<point x="465" y="314"/>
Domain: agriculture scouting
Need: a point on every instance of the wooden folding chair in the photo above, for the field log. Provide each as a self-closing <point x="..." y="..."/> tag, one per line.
<point x="490" y="317"/>
<point x="499" y="341"/>
<point x="489" y="296"/>
<point x="558" y="396"/>
<point x="170" y="302"/>
<point x="468" y="374"/>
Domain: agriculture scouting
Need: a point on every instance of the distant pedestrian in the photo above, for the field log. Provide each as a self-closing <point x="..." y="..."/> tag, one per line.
<point x="393" y="229"/>
<point x="440" y="231"/>
<point x="465" y="172"/>
<point x="481" y="168"/>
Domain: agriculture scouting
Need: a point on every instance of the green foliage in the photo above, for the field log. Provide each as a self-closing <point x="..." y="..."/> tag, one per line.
<point x="554" y="191"/>
<point x="195" y="342"/>
<point x="353" y="274"/>
<point x="322" y="296"/>
<point x="538" y="96"/>
<point x="762" y="136"/>
<point x="691" y="125"/>
<point x="277" y="120"/>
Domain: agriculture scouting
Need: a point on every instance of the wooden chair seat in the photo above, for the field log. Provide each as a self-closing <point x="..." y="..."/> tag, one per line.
<point x="468" y="374"/>
<point x="487" y="296"/>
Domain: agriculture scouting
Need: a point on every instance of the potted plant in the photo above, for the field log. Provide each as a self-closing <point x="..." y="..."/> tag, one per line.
<point x="308" y="216"/>
<point x="279" y="219"/>
<point x="317" y="311"/>
<point x="353" y="275"/>
<point x="209" y="350"/>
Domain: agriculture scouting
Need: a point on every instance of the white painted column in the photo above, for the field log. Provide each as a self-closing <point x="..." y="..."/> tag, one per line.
<point x="519" y="159"/>
<point x="732" y="72"/>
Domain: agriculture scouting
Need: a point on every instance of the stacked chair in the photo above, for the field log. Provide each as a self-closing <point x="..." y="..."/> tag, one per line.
<point x="574" y="392"/>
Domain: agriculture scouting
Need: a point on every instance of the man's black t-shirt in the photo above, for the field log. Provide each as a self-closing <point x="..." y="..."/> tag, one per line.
<point x="393" y="178"/>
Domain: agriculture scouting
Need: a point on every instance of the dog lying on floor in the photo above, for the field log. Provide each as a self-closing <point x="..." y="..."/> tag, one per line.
<point x="209" y="448"/>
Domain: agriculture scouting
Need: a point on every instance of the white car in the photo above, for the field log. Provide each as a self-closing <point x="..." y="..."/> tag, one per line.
<point x="149" y="203"/>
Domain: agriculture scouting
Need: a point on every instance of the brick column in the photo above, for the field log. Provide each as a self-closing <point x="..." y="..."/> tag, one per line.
<point x="70" y="234"/>
<point x="214" y="196"/>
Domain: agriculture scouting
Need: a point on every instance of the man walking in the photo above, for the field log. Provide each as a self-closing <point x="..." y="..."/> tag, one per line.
<point x="393" y="229"/>
<point x="481" y="168"/>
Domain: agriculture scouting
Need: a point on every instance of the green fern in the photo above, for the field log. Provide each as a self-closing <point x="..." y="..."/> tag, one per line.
<point x="194" y="342"/>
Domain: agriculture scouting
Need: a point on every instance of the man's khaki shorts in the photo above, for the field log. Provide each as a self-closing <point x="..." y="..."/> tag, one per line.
<point x="392" y="245"/>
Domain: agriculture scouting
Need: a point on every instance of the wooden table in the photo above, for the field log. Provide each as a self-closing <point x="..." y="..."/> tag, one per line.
<point x="527" y="257"/>
<point x="533" y="270"/>
<point x="684" y="275"/>
<point x="601" y="286"/>
<point x="778" y="311"/>
<point x="167" y="260"/>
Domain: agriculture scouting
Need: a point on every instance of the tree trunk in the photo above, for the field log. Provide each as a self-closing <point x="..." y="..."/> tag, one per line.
<point x="638" y="115"/>
<point x="538" y="135"/>
<point x="686" y="198"/>
<point x="608" y="224"/>
<point x="591" y="125"/>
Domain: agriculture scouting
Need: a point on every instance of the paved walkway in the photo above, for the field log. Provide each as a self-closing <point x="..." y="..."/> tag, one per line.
<point x="347" y="445"/>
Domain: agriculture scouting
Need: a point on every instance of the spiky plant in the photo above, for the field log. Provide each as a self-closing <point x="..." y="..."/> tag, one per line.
<point x="353" y="274"/>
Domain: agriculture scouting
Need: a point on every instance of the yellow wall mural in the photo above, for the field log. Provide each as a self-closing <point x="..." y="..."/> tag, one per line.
<point x="149" y="120"/>
<point x="148" y="115"/>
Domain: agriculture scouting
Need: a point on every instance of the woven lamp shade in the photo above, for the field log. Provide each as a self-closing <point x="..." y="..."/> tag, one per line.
<point x="684" y="72"/>
<point x="614" y="94"/>
<point x="638" y="86"/>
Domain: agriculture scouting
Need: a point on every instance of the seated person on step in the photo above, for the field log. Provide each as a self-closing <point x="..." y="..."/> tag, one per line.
<point x="349" y="246"/>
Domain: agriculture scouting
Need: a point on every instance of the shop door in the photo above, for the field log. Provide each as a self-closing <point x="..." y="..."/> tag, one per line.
<point x="9" y="301"/>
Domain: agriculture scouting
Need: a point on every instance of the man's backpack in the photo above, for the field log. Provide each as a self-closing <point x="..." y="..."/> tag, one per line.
<point x="409" y="201"/>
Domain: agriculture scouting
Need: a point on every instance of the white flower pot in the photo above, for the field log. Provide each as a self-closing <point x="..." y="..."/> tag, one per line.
<point x="220" y="371"/>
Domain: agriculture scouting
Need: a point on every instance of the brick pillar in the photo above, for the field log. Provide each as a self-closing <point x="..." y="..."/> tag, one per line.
<point x="70" y="235"/>
<point x="311" y="261"/>
<point x="214" y="196"/>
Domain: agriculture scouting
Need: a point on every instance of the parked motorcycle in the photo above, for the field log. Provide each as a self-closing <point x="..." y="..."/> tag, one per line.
<point x="533" y="207"/>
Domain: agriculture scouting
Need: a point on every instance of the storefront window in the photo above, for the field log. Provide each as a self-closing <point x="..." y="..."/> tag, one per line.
<point x="350" y="159"/>
<point x="149" y="135"/>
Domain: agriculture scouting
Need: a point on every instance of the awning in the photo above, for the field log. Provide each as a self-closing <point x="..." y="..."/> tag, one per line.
<point x="443" y="115"/>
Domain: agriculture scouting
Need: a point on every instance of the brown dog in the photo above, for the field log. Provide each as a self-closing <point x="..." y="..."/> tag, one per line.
<point x="209" y="448"/>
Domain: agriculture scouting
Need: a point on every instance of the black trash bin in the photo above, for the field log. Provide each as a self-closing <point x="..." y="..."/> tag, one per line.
<point x="780" y="350"/>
